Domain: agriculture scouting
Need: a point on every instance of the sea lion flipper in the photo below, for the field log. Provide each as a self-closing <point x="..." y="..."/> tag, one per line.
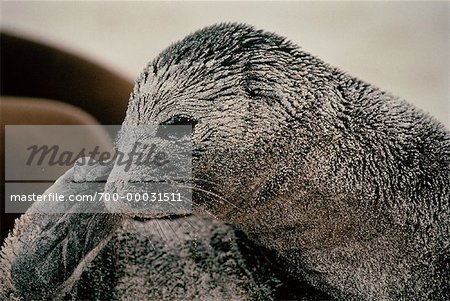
<point x="51" y="244"/>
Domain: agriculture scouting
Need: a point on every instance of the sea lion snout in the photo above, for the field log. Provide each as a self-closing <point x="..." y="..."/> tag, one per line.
<point x="152" y="167"/>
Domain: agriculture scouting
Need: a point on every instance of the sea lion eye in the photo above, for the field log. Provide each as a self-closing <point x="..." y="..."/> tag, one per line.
<point x="175" y="128"/>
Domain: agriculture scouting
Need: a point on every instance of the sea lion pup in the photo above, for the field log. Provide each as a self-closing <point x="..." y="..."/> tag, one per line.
<point x="346" y="184"/>
<point x="349" y="184"/>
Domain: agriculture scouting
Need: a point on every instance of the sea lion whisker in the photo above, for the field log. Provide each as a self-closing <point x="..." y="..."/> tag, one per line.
<point x="177" y="221"/>
<point x="220" y="198"/>
<point x="194" y="205"/>
<point x="206" y="211"/>
<point x="211" y="192"/>
<point x="160" y="230"/>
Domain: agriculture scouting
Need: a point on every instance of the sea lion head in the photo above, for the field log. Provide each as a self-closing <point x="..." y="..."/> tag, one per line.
<point x="268" y="143"/>
<point x="232" y="84"/>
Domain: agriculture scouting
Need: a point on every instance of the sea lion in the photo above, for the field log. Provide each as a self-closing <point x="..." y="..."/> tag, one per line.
<point x="349" y="184"/>
<point x="345" y="183"/>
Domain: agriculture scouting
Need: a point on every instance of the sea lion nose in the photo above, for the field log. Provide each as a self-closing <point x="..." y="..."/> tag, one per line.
<point x="149" y="175"/>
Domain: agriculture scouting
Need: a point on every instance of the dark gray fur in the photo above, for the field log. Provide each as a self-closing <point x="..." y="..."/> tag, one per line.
<point x="346" y="184"/>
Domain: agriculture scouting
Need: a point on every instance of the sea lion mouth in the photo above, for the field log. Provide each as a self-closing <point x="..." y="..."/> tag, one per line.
<point x="146" y="217"/>
<point x="148" y="199"/>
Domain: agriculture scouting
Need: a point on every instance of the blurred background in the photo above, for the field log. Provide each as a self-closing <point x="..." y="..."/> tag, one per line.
<point x="402" y="47"/>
